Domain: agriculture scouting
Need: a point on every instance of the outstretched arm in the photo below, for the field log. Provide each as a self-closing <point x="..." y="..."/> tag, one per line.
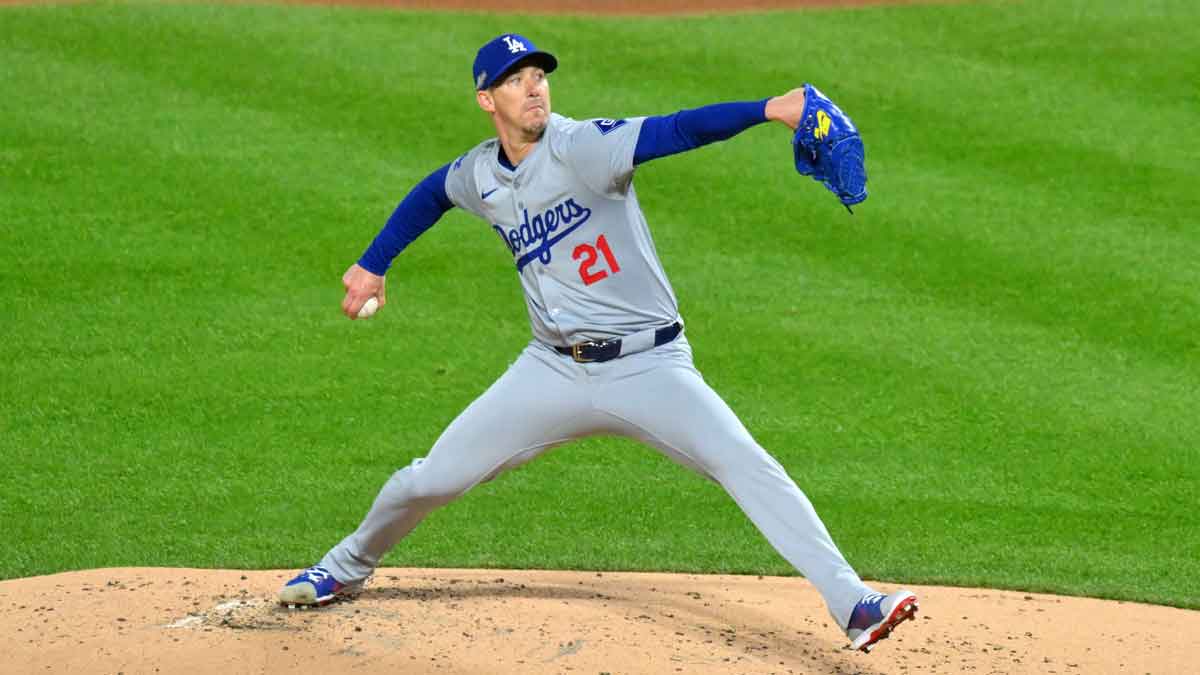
<point x="419" y="210"/>
<point x="665" y="135"/>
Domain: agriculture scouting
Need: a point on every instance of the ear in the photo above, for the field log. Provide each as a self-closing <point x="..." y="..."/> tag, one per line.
<point x="485" y="101"/>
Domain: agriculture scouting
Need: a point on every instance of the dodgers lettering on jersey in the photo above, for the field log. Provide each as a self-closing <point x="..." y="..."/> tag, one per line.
<point x="560" y="220"/>
<point x="570" y="218"/>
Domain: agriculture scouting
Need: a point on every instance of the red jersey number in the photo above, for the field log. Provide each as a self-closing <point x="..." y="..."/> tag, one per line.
<point x="589" y="259"/>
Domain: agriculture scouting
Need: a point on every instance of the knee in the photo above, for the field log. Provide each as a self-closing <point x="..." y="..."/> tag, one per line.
<point x="415" y="484"/>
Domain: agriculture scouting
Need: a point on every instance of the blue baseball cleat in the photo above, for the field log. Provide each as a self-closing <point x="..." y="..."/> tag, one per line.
<point x="876" y="615"/>
<point x="315" y="587"/>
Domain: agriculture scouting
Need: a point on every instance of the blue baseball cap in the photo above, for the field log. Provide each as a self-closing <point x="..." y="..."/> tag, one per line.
<point x="497" y="56"/>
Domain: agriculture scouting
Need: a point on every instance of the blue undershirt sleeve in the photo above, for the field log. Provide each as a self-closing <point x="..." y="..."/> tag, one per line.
<point x="421" y="208"/>
<point x="687" y="129"/>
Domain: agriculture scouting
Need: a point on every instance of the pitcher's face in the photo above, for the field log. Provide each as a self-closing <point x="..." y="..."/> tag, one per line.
<point x="520" y="101"/>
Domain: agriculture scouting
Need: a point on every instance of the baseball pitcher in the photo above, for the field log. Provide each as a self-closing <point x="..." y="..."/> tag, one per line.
<point x="609" y="354"/>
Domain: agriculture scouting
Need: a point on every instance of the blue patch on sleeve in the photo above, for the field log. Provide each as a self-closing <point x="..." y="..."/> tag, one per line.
<point x="458" y="162"/>
<point x="606" y="126"/>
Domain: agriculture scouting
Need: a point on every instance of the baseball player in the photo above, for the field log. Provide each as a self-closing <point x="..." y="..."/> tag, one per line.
<point x="608" y="354"/>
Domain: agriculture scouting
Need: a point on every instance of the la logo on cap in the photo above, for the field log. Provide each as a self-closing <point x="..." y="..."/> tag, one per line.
<point x="514" y="45"/>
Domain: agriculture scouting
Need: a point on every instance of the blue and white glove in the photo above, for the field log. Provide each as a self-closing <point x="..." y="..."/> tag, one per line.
<point x="827" y="147"/>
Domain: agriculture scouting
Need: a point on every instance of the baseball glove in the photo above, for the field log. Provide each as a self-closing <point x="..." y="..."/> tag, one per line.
<point x="828" y="148"/>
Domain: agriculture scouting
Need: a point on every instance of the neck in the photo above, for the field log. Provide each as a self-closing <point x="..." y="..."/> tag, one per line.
<point x="517" y="144"/>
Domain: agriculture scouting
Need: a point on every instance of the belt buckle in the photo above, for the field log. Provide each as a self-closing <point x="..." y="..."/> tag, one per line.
<point x="577" y="353"/>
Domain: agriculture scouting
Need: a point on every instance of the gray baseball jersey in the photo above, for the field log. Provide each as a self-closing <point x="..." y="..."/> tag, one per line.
<point x="576" y="232"/>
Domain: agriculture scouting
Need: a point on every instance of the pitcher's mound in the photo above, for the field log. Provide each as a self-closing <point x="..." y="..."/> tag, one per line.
<point x="143" y="620"/>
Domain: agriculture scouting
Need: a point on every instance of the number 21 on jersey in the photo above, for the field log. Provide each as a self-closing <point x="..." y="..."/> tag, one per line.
<point x="588" y="259"/>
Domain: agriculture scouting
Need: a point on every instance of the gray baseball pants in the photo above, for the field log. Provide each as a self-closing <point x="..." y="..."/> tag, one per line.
<point x="657" y="397"/>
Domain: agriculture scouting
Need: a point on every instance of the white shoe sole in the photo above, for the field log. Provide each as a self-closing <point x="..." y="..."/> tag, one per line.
<point x="304" y="595"/>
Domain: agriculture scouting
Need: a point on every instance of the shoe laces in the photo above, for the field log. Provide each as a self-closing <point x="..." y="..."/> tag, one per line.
<point x="872" y="599"/>
<point x="317" y="573"/>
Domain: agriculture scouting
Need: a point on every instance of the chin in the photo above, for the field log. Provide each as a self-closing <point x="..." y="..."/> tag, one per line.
<point x="537" y="126"/>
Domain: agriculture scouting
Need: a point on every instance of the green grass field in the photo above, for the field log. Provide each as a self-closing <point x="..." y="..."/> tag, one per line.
<point x="987" y="376"/>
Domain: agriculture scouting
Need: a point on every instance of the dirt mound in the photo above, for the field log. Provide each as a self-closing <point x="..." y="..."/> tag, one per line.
<point x="144" y="620"/>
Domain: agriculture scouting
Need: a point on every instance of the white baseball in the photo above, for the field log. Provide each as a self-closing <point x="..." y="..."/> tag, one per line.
<point x="369" y="308"/>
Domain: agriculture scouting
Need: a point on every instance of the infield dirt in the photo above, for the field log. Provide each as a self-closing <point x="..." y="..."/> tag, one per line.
<point x="493" y="621"/>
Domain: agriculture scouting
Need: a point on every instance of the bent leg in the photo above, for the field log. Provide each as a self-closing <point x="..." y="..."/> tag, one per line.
<point x="671" y="407"/>
<point x="532" y="407"/>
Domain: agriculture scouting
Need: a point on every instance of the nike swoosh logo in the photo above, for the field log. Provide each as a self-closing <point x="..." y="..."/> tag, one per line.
<point x="485" y="195"/>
